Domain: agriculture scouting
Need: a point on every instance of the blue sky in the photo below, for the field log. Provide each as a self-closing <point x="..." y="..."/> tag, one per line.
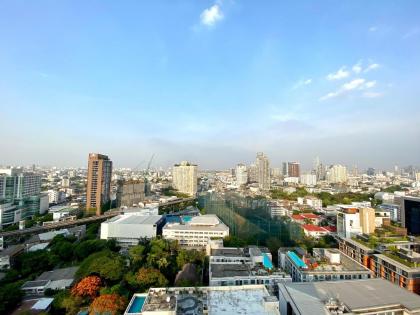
<point x="210" y="81"/>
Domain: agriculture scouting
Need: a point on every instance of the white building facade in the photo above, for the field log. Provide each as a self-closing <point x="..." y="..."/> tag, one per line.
<point x="129" y="229"/>
<point x="197" y="232"/>
<point x="308" y="179"/>
<point x="184" y="177"/>
<point x="241" y="174"/>
<point x="337" y="174"/>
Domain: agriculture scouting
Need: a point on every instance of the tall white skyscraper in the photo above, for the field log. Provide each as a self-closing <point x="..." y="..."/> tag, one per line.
<point x="337" y="174"/>
<point x="184" y="177"/>
<point x="241" y="174"/>
<point x="263" y="171"/>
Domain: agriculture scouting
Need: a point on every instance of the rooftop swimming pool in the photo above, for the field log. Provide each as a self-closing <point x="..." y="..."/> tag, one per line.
<point x="137" y="304"/>
<point x="173" y="219"/>
<point x="295" y="258"/>
<point x="267" y="261"/>
<point x="186" y="218"/>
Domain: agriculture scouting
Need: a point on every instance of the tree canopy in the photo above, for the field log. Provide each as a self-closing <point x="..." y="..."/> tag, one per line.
<point x="106" y="264"/>
<point x="108" y="304"/>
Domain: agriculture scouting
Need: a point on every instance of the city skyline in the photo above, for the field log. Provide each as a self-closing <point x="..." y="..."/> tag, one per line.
<point x="212" y="82"/>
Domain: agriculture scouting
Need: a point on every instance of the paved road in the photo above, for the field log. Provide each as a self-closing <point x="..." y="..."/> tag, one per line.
<point x="65" y="224"/>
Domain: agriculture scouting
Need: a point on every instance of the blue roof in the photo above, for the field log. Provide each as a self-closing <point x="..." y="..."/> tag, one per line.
<point x="267" y="261"/>
<point x="295" y="258"/>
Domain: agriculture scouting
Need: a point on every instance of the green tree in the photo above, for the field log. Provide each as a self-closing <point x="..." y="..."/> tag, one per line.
<point x="189" y="256"/>
<point x="106" y="264"/>
<point x="88" y="247"/>
<point x="36" y="262"/>
<point x="159" y="249"/>
<point x="146" y="278"/>
<point x="233" y="241"/>
<point x="63" y="249"/>
<point x="92" y="231"/>
<point x="71" y="304"/>
<point x="10" y="296"/>
<point x="137" y="255"/>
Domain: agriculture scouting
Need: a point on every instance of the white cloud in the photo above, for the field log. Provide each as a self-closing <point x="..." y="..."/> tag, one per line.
<point x="373" y="29"/>
<point x="357" y="68"/>
<point x="329" y="95"/>
<point x="302" y="83"/>
<point x="210" y="16"/>
<point x="340" y="74"/>
<point x="354" y="84"/>
<point x="372" y="94"/>
<point x="372" y="66"/>
<point x="370" y="84"/>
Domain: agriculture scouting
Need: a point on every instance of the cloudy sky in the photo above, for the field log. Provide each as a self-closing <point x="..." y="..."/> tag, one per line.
<point x="212" y="82"/>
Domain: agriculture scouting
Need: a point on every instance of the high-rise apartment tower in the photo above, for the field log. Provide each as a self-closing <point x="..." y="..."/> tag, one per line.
<point x="263" y="171"/>
<point x="184" y="177"/>
<point x="99" y="182"/>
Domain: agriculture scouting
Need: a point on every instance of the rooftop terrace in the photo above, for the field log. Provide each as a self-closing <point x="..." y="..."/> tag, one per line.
<point x="326" y="260"/>
<point x="246" y="300"/>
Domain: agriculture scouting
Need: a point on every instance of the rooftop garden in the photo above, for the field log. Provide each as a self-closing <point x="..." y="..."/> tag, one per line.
<point x="403" y="261"/>
<point x="372" y="241"/>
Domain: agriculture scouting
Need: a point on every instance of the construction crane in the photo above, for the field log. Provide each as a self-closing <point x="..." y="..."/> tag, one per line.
<point x="150" y="162"/>
<point x="147" y="173"/>
<point x="138" y="165"/>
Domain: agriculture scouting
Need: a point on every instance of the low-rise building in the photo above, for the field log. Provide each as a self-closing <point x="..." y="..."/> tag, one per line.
<point x="277" y="209"/>
<point x="129" y="229"/>
<point x="356" y="250"/>
<point x="8" y="255"/>
<point x="243" y="266"/>
<point x="306" y="217"/>
<point x="364" y="297"/>
<point x="324" y="265"/>
<point x="197" y="232"/>
<point x="58" y="279"/>
<point x="315" y="231"/>
<point x="61" y="213"/>
<point x="42" y="238"/>
<point x="310" y="201"/>
<point x="249" y="299"/>
<point x="391" y="258"/>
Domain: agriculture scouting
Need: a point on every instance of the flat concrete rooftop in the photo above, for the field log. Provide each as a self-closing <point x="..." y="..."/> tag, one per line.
<point x="229" y="270"/>
<point x="135" y="219"/>
<point x="309" y="297"/>
<point x="228" y="252"/>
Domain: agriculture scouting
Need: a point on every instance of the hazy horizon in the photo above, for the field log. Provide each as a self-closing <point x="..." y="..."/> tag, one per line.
<point x="212" y="82"/>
